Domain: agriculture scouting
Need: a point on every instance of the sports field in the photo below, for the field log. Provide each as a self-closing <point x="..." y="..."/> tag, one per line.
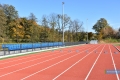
<point x="85" y="62"/>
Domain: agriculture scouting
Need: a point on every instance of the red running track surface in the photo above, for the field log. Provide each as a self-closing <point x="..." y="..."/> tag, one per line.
<point x="86" y="62"/>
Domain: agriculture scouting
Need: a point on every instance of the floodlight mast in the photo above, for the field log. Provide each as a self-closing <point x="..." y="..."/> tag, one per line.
<point x="63" y="21"/>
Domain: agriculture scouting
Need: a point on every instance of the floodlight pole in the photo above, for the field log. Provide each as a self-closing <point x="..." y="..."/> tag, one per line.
<point x="63" y="20"/>
<point x="87" y="30"/>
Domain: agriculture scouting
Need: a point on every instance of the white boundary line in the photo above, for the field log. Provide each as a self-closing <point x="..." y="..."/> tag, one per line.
<point x="94" y="64"/>
<point x="40" y="63"/>
<point x="27" y="57"/>
<point x="36" y="59"/>
<point x="31" y="61"/>
<point x="114" y="65"/>
<point x="73" y="65"/>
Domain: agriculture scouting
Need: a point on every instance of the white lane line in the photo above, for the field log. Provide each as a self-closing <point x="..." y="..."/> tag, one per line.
<point x="37" y="64"/>
<point x="114" y="64"/>
<point x="28" y="57"/>
<point x="55" y="64"/>
<point x="73" y="65"/>
<point x="27" y="61"/>
<point x="31" y="56"/>
<point x="94" y="64"/>
<point x="30" y="61"/>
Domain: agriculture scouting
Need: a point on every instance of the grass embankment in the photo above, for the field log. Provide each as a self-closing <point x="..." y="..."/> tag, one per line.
<point x="110" y="40"/>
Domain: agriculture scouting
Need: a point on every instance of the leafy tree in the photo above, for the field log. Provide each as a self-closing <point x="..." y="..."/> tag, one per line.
<point x="44" y="33"/>
<point x="10" y="12"/>
<point x="90" y="35"/>
<point x="2" y="24"/>
<point x="22" y="29"/>
<point x="82" y="36"/>
<point x="59" y="27"/>
<point x="27" y="29"/>
<point x="53" y="24"/>
<point x="107" y="32"/>
<point x="102" y="23"/>
<point x="33" y="28"/>
<point x="118" y="34"/>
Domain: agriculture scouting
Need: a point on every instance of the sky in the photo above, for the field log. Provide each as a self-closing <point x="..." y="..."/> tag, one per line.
<point x="92" y="10"/>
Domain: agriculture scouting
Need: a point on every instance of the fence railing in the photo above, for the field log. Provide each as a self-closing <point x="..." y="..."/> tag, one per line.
<point x="28" y="47"/>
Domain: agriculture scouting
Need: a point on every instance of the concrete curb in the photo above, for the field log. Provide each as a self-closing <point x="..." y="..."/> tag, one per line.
<point x="19" y="54"/>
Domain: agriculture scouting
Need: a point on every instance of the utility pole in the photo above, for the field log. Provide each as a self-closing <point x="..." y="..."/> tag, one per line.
<point x="87" y="30"/>
<point x="63" y="20"/>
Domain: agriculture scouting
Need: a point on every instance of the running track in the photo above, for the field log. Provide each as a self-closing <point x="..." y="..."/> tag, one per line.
<point x="86" y="62"/>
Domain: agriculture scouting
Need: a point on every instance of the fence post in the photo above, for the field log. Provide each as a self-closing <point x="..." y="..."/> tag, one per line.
<point x="32" y="46"/>
<point x="27" y="47"/>
<point x="40" y="45"/>
<point x="20" y="48"/>
<point x="4" y="49"/>
<point x="48" y="45"/>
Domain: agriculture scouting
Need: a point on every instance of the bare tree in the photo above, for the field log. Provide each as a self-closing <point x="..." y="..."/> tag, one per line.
<point x="77" y="25"/>
<point x="53" y="24"/>
<point x="59" y="26"/>
<point x="45" y="24"/>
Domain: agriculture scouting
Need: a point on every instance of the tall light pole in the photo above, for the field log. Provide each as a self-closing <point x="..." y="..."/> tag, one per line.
<point x="63" y="20"/>
<point x="87" y="30"/>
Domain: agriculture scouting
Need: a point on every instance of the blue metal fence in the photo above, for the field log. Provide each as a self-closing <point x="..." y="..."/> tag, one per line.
<point x="19" y="48"/>
<point x="13" y="47"/>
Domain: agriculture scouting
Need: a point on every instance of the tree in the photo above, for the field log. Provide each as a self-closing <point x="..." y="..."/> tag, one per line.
<point x="2" y="24"/>
<point x="107" y="32"/>
<point x="77" y="27"/>
<point x="102" y="23"/>
<point x="71" y="24"/>
<point x="59" y="26"/>
<point x="27" y="28"/>
<point x="118" y="33"/>
<point x="32" y="17"/>
<point x="44" y="33"/>
<point x="90" y="35"/>
<point x="65" y="24"/>
<point x="10" y="12"/>
<point x="33" y="28"/>
<point x="53" y="24"/>
<point x="83" y="36"/>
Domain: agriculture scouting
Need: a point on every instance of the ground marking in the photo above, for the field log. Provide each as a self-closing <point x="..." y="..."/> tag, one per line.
<point x="51" y="66"/>
<point x="94" y="64"/>
<point x="30" y="61"/>
<point x="36" y="64"/>
<point x="24" y="58"/>
<point x="28" y="57"/>
<point x="73" y="65"/>
<point x="114" y="64"/>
